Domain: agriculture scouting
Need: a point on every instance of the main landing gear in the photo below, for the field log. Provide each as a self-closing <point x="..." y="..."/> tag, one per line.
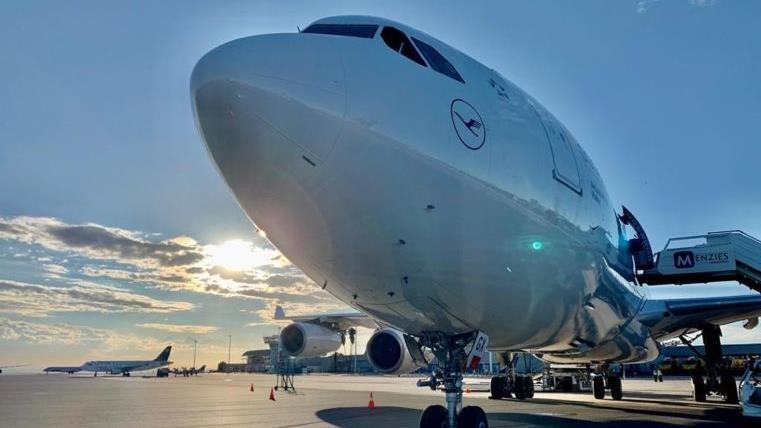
<point x="607" y="378"/>
<point x="509" y="383"/>
<point x="716" y="377"/>
<point x="452" y="356"/>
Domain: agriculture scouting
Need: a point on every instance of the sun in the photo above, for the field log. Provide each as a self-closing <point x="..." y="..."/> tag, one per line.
<point x="238" y="255"/>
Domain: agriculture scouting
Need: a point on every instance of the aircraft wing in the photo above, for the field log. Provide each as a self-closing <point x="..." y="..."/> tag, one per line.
<point x="341" y="321"/>
<point x="132" y="368"/>
<point x="63" y="369"/>
<point x="11" y="367"/>
<point x="671" y="317"/>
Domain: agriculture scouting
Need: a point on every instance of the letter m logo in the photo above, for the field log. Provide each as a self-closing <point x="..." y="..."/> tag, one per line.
<point x="684" y="259"/>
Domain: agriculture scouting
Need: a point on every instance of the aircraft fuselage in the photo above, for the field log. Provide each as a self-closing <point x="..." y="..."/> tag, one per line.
<point x="430" y="203"/>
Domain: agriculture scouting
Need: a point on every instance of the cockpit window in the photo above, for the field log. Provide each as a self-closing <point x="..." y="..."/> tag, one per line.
<point x="437" y="60"/>
<point x="399" y="42"/>
<point x="366" y="31"/>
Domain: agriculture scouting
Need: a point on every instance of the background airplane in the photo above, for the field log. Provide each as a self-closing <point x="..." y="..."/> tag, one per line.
<point x="119" y="367"/>
<point x="426" y="190"/>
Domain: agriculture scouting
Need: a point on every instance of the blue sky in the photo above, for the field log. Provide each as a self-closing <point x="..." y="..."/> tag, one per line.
<point x="96" y="129"/>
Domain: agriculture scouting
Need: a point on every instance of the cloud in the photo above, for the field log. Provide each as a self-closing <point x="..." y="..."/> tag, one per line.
<point x="99" y="343"/>
<point x="100" y="242"/>
<point x="704" y="3"/>
<point x="260" y="277"/>
<point x="40" y="300"/>
<point x="180" y="328"/>
<point x="50" y="333"/>
<point x="644" y="5"/>
<point x="54" y="271"/>
<point x="231" y="269"/>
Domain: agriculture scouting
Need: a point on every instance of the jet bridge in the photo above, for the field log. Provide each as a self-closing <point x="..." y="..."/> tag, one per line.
<point x="717" y="256"/>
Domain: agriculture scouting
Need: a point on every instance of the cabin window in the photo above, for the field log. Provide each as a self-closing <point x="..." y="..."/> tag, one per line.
<point x="364" y="31"/>
<point x="437" y="60"/>
<point x="399" y="42"/>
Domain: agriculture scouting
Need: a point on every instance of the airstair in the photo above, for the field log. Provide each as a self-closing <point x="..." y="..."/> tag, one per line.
<point x="717" y="256"/>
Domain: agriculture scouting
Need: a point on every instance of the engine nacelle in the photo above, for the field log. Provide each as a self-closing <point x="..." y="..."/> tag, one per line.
<point x="392" y="352"/>
<point x="301" y="339"/>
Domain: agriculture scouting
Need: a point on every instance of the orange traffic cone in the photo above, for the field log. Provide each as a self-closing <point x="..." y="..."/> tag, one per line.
<point x="467" y="389"/>
<point x="272" y="394"/>
<point x="371" y="404"/>
<point x="252" y="387"/>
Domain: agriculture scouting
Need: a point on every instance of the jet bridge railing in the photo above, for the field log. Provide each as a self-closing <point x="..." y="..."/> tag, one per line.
<point x="731" y="255"/>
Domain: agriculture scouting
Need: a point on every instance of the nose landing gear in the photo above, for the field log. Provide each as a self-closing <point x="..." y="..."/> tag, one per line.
<point x="453" y="354"/>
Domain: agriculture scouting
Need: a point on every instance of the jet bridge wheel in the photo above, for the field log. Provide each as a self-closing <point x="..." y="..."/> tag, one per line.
<point x="598" y="387"/>
<point x="498" y="388"/>
<point x="729" y="388"/>
<point x="699" y="390"/>
<point x="529" y="386"/>
<point x="524" y="387"/>
<point x="616" y="389"/>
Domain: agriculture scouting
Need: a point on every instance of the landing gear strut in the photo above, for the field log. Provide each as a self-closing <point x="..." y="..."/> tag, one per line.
<point x="509" y="382"/>
<point x="607" y="378"/>
<point x="716" y="377"/>
<point x="452" y="356"/>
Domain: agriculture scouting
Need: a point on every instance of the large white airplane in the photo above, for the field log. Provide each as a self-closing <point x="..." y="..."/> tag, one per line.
<point x="120" y="367"/>
<point x="427" y="191"/>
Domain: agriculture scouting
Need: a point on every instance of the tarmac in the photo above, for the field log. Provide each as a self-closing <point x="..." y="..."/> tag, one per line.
<point x="225" y="400"/>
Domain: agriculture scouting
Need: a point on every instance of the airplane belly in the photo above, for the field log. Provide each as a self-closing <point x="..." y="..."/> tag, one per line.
<point x="397" y="240"/>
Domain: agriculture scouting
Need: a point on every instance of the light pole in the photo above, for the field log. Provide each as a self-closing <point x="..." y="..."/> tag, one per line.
<point x="195" y="345"/>
<point x="229" y="346"/>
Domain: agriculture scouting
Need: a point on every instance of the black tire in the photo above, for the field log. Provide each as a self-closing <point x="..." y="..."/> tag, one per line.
<point x="598" y="387"/>
<point x="472" y="417"/>
<point x="698" y="388"/>
<point x="434" y="417"/>
<point x="616" y="389"/>
<point x="729" y="388"/>
<point x="529" y="386"/>
<point x="496" y="389"/>
<point x="519" y="388"/>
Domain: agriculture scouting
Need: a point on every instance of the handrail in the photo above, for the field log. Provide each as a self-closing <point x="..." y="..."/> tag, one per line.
<point x="723" y="232"/>
<point x="752" y="238"/>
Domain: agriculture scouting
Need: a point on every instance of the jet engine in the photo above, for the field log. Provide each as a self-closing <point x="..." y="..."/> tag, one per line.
<point x="392" y="352"/>
<point x="301" y="339"/>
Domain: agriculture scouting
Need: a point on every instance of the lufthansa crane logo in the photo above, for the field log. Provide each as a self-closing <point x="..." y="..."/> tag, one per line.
<point x="468" y="124"/>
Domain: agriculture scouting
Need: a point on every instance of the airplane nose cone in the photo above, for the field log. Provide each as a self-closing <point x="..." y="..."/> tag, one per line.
<point x="270" y="109"/>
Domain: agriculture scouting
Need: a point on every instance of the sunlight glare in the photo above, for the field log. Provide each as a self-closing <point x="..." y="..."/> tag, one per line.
<point x="239" y="255"/>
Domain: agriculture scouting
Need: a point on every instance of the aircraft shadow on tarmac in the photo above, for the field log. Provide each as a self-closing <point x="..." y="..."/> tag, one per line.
<point x="349" y="417"/>
<point x="701" y="412"/>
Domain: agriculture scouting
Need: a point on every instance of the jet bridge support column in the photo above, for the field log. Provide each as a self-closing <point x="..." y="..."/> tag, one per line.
<point x="718" y="376"/>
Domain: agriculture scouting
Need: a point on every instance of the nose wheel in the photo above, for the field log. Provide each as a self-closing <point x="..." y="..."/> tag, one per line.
<point x="452" y="353"/>
<point x="469" y="417"/>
